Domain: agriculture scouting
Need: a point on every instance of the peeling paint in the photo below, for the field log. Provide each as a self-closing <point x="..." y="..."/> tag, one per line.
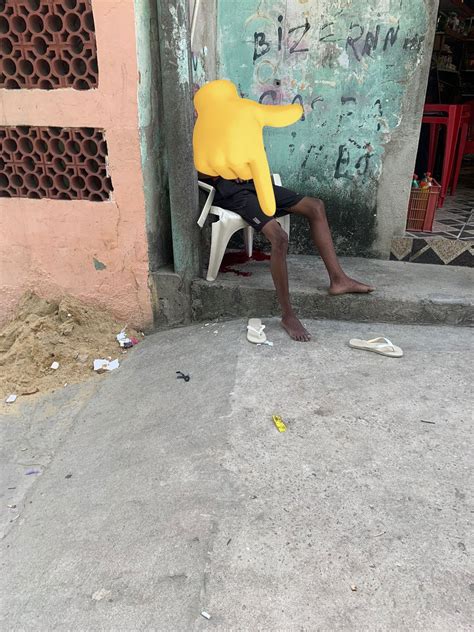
<point x="180" y="38"/>
<point x="351" y="65"/>
<point x="98" y="265"/>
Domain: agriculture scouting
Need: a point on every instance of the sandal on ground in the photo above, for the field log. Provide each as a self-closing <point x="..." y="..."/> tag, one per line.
<point x="255" y="331"/>
<point x="378" y="345"/>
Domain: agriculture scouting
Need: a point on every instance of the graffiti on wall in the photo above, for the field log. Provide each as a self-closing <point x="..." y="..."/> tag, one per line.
<point x="348" y="63"/>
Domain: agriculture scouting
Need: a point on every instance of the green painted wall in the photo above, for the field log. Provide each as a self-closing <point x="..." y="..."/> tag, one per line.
<point x="152" y="142"/>
<point x="354" y="66"/>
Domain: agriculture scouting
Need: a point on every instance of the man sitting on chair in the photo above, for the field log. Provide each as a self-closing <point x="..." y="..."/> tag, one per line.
<point x="240" y="197"/>
<point x="230" y="155"/>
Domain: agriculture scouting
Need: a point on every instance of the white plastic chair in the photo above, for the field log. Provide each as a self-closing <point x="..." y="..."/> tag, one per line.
<point x="227" y="224"/>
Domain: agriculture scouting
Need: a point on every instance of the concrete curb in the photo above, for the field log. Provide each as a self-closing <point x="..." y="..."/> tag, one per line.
<point x="435" y="295"/>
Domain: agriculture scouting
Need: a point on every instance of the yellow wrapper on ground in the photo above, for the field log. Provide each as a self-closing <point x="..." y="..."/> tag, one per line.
<point x="278" y="421"/>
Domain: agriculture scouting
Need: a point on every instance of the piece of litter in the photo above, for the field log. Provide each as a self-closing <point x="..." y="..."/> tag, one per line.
<point x="215" y="331"/>
<point x="377" y="535"/>
<point x="11" y="399"/>
<point x="278" y="421"/>
<point x="229" y="541"/>
<point x="207" y="324"/>
<point x="68" y="476"/>
<point x="101" y="594"/>
<point x="181" y="376"/>
<point x="29" y="472"/>
<point x="23" y="449"/>
<point x="69" y="315"/>
<point x="101" y="365"/>
<point x="353" y="587"/>
<point x="424" y="421"/>
<point x="11" y="506"/>
<point x="134" y="340"/>
<point x="205" y="614"/>
<point x="55" y="365"/>
<point x="267" y="342"/>
<point x="123" y="340"/>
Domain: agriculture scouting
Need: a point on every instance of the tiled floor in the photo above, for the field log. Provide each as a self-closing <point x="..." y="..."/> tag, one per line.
<point x="455" y="220"/>
<point x="452" y="240"/>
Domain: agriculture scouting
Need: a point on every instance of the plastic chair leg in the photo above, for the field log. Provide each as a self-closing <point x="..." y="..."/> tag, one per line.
<point x="459" y="157"/>
<point x="248" y="240"/>
<point x="451" y="139"/>
<point x="434" y="134"/>
<point x="222" y="231"/>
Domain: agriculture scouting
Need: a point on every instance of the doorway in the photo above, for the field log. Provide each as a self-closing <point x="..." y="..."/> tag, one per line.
<point x="446" y="148"/>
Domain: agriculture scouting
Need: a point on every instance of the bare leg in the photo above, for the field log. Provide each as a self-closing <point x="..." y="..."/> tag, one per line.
<point x="313" y="209"/>
<point x="279" y="241"/>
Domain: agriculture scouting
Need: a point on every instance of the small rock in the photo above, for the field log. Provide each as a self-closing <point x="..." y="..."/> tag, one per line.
<point x="353" y="587"/>
<point x="100" y="594"/>
<point x="11" y="399"/>
<point x="82" y="357"/>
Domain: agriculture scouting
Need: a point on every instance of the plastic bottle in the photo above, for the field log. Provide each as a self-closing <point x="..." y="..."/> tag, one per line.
<point x="427" y="181"/>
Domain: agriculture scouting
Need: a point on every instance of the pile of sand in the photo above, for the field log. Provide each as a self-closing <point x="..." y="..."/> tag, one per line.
<point x="43" y="332"/>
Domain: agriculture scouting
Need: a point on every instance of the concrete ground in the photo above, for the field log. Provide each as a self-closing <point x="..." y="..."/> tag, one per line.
<point x="156" y="499"/>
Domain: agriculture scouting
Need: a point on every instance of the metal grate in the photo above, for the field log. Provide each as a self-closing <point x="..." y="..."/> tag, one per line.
<point x="47" y="44"/>
<point x="54" y="162"/>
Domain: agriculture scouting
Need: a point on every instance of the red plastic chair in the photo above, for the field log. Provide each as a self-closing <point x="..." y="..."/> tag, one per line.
<point x="466" y="141"/>
<point x="435" y="115"/>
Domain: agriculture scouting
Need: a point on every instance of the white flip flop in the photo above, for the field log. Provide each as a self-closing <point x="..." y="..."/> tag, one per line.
<point x="378" y="345"/>
<point x="255" y="331"/>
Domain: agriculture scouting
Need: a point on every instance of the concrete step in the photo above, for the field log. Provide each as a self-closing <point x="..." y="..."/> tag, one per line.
<point x="406" y="292"/>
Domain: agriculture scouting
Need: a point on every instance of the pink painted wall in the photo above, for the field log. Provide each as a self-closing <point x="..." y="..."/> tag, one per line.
<point x="49" y="245"/>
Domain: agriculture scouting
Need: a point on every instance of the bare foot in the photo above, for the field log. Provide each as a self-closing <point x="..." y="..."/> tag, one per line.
<point x="346" y="285"/>
<point x="295" y="329"/>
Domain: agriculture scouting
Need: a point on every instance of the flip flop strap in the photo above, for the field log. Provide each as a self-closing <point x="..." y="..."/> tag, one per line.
<point x="381" y="345"/>
<point x="259" y="331"/>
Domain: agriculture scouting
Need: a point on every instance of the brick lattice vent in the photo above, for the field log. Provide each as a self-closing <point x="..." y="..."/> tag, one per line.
<point x="54" y="162"/>
<point x="47" y="44"/>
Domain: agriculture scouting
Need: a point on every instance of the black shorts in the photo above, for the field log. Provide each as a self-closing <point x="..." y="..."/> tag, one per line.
<point x="241" y="198"/>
